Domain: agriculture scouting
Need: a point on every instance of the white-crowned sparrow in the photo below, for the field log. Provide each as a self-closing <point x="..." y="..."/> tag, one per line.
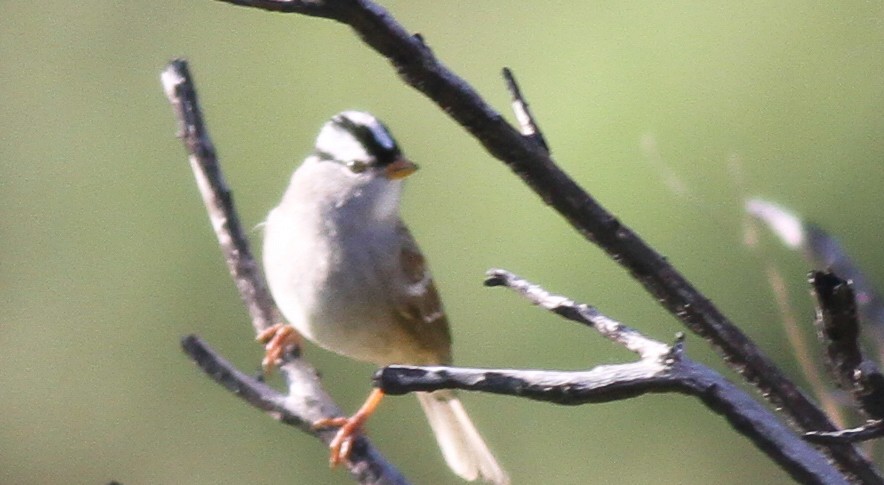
<point x="347" y="274"/>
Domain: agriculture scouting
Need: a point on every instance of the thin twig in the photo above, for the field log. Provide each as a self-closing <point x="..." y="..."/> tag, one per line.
<point x="613" y="330"/>
<point x="601" y="384"/>
<point x="839" y="329"/>
<point x="869" y="431"/>
<point x="825" y="251"/>
<point x="369" y="468"/>
<point x="313" y="8"/>
<point x="242" y="385"/>
<point x="662" y="368"/>
<point x="217" y="196"/>
<point x="800" y="346"/>
<point x="306" y="401"/>
<point x="418" y="67"/>
<point x="527" y="123"/>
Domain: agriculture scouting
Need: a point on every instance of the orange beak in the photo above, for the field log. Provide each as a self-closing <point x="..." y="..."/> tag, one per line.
<point x="400" y="168"/>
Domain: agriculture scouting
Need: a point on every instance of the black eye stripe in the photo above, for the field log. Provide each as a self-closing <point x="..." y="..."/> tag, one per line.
<point x="366" y="137"/>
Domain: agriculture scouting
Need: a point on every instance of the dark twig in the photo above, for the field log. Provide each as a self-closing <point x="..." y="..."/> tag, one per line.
<point x="662" y="368"/>
<point x="869" y="431"/>
<point x="418" y="67"/>
<point x="527" y="123"/>
<point x="306" y="401"/>
<point x="838" y="327"/>
<point x="823" y="250"/>
<point x="826" y="252"/>
<point x="601" y="384"/>
<point x="313" y="8"/>
<point x="367" y="466"/>
<point x="242" y="385"/>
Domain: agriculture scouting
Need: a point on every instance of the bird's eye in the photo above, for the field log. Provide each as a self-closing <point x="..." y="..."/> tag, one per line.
<point x="356" y="166"/>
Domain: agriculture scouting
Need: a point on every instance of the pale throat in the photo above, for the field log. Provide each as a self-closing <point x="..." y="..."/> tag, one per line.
<point x="374" y="205"/>
<point x="386" y="206"/>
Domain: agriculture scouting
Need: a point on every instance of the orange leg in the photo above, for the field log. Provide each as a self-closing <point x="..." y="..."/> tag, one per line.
<point x="342" y="443"/>
<point x="278" y="341"/>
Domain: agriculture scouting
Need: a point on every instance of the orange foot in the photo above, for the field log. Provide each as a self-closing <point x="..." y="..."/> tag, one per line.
<point x="278" y="341"/>
<point x="342" y="444"/>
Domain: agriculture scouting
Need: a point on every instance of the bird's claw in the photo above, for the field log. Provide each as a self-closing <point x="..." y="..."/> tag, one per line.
<point x="278" y="340"/>
<point x="342" y="444"/>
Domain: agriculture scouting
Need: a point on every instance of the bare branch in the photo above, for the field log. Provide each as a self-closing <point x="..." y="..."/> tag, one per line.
<point x="838" y="329"/>
<point x="418" y="67"/>
<point x="662" y="368"/>
<point x="306" y="401"/>
<point x="217" y="196"/>
<point x="242" y="385"/>
<point x="611" y="329"/>
<point x="869" y="431"/>
<point x="624" y="381"/>
<point x="823" y="249"/>
<point x="313" y="8"/>
<point x="528" y="125"/>
<point x="601" y="384"/>
<point x="368" y="466"/>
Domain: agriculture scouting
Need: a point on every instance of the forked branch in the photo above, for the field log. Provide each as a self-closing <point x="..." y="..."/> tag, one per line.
<point x="306" y="401"/>
<point x="416" y="64"/>
<point x="660" y="368"/>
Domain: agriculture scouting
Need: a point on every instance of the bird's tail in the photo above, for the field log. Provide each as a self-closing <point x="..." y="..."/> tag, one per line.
<point x="464" y="450"/>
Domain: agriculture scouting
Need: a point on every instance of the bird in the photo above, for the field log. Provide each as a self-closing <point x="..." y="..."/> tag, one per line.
<point x="347" y="274"/>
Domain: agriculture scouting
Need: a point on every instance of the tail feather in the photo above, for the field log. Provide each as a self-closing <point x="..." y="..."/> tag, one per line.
<point x="463" y="448"/>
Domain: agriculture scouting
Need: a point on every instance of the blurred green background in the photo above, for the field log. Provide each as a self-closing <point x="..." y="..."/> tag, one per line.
<point x="108" y="258"/>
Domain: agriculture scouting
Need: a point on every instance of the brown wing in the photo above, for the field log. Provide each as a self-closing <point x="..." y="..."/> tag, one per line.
<point x="419" y="310"/>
